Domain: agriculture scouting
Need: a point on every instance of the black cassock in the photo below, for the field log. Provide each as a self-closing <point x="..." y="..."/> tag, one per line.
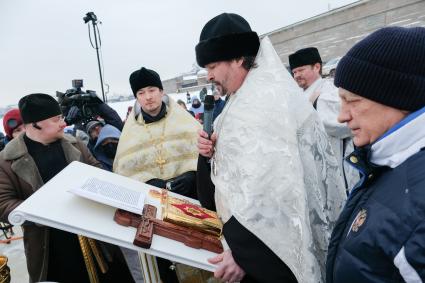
<point x="258" y="261"/>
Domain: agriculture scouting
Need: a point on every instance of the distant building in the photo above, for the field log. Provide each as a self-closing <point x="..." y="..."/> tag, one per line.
<point x="202" y="77"/>
<point x="191" y="81"/>
<point x="333" y="33"/>
<point x="336" y="31"/>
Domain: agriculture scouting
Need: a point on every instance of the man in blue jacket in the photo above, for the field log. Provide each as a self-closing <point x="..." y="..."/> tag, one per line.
<point x="218" y="104"/>
<point x="106" y="146"/>
<point x="380" y="235"/>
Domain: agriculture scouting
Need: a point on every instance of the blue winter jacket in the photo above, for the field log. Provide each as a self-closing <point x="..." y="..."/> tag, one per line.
<point x="107" y="131"/>
<point x="380" y="235"/>
<point x="218" y="107"/>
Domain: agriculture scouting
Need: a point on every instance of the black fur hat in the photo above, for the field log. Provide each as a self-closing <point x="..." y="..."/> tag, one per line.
<point x="143" y="78"/>
<point x="38" y="107"/>
<point x="226" y="37"/>
<point x="305" y="56"/>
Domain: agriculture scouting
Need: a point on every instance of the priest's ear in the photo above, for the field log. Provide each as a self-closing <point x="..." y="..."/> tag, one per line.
<point x="317" y="67"/>
<point x="165" y="98"/>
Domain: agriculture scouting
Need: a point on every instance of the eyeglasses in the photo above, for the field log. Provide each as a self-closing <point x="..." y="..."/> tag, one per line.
<point x="13" y="123"/>
<point x="58" y="118"/>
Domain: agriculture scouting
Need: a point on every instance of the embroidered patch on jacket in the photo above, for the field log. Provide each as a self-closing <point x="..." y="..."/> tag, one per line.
<point x="359" y="220"/>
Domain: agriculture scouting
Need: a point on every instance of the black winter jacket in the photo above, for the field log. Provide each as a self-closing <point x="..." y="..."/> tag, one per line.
<point x="380" y="235"/>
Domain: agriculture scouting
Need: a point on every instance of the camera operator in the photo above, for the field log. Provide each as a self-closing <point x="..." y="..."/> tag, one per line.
<point x="93" y="129"/>
<point x="80" y="107"/>
<point x="103" y="142"/>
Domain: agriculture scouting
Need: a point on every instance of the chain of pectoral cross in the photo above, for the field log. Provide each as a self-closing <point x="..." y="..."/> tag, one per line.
<point x="159" y="159"/>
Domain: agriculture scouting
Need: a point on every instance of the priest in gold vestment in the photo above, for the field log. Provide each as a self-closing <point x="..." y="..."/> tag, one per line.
<point x="158" y="146"/>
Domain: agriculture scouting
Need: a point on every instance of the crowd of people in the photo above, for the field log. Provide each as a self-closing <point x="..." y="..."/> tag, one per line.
<point x="314" y="180"/>
<point x="197" y="105"/>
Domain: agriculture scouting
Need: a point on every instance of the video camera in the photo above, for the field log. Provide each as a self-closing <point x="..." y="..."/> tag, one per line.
<point x="78" y="106"/>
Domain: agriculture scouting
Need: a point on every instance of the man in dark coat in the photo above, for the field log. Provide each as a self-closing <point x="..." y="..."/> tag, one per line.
<point x="29" y="161"/>
<point x="380" y="235"/>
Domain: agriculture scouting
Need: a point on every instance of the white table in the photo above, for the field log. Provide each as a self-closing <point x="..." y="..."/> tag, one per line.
<point x="52" y="205"/>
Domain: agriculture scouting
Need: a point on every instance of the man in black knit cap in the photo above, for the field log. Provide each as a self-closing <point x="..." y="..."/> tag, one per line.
<point x="380" y="235"/>
<point x="157" y="126"/>
<point x="29" y="161"/>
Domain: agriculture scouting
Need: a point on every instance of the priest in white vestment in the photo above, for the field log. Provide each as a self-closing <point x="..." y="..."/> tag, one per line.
<point x="306" y="65"/>
<point x="276" y="180"/>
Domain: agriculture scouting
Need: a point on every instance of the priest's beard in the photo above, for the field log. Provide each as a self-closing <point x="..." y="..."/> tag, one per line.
<point x="220" y="88"/>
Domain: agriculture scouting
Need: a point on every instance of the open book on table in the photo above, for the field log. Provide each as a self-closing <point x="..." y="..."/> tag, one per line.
<point x="111" y="194"/>
<point x="53" y="205"/>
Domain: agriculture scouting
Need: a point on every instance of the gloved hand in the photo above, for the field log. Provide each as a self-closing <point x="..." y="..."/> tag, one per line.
<point x="184" y="184"/>
<point x="157" y="183"/>
<point x="74" y="115"/>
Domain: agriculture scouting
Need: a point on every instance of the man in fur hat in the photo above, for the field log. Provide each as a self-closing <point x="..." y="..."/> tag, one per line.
<point x="274" y="180"/>
<point x="157" y="146"/>
<point x="306" y="66"/>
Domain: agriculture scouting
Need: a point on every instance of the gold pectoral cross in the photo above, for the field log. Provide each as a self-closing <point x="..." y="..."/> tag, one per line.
<point x="160" y="162"/>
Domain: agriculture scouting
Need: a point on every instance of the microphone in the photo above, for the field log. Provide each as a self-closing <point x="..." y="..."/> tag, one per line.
<point x="208" y="114"/>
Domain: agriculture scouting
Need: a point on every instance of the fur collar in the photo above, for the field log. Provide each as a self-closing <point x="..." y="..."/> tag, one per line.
<point x="24" y="166"/>
<point x="16" y="148"/>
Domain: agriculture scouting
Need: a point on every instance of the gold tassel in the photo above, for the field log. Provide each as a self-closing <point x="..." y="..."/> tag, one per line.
<point x="98" y="255"/>
<point x="88" y="259"/>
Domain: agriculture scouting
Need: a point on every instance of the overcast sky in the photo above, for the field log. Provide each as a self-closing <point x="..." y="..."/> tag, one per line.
<point x="44" y="44"/>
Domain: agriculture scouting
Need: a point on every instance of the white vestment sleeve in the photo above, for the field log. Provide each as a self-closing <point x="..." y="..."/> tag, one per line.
<point x="328" y="106"/>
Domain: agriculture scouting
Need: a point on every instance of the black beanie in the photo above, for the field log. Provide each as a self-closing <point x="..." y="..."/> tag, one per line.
<point x="143" y="78"/>
<point x="226" y="37"/>
<point x="305" y="56"/>
<point x="387" y="67"/>
<point x="38" y="107"/>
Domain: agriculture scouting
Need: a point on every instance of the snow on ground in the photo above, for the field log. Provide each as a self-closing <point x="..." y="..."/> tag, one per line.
<point x="16" y="257"/>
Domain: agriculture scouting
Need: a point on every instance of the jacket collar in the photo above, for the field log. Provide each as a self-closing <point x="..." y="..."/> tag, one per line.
<point x="24" y="166"/>
<point x="360" y="160"/>
<point x="17" y="148"/>
<point x="71" y="152"/>
<point x="150" y="119"/>
<point x="403" y="140"/>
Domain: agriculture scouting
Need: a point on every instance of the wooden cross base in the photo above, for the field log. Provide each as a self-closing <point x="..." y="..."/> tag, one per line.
<point x="147" y="225"/>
